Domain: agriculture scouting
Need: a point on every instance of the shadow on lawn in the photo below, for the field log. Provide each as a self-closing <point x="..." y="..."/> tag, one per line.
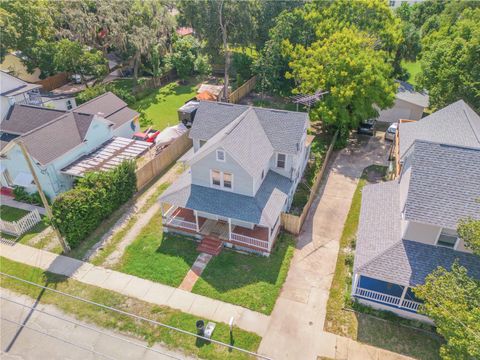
<point x="232" y="270"/>
<point x="178" y="246"/>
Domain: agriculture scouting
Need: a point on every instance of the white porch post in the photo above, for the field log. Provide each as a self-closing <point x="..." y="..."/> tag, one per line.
<point x="356" y="279"/>
<point x="229" y="228"/>
<point x="196" y="220"/>
<point x="405" y="289"/>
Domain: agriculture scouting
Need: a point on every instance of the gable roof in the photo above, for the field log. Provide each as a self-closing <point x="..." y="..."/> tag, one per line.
<point x="284" y="129"/>
<point x="263" y="209"/>
<point x="407" y="92"/>
<point x="21" y="119"/>
<point x="380" y="251"/>
<point x="455" y="124"/>
<point x="110" y="107"/>
<point x="444" y="184"/>
<point x="244" y="140"/>
<point x="19" y="86"/>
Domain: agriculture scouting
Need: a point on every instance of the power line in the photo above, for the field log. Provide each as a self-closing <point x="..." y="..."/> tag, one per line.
<point x="138" y="317"/>
<point x="57" y="338"/>
<point x="90" y="328"/>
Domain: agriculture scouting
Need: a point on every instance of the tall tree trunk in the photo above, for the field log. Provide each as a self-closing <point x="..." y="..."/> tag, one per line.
<point x="223" y="27"/>
<point x="136" y="64"/>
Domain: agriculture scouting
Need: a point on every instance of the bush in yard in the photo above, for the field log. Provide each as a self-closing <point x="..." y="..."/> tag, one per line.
<point x="77" y="212"/>
<point x="22" y="195"/>
<point x="99" y="89"/>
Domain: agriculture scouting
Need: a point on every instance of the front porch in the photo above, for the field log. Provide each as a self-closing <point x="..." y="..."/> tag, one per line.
<point x="258" y="238"/>
<point x="391" y="296"/>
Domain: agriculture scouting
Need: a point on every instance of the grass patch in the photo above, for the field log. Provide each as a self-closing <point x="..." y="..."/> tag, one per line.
<point x="159" y="107"/>
<point x="250" y="281"/>
<point x="383" y="329"/>
<point x="158" y="256"/>
<point x="9" y="213"/>
<point x="413" y="69"/>
<point x="122" y="323"/>
<point x="110" y="247"/>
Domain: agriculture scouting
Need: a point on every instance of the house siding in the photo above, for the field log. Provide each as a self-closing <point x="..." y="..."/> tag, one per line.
<point x="242" y="180"/>
<point x="423" y="233"/>
<point x="401" y="110"/>
<point x="126" y="130"/>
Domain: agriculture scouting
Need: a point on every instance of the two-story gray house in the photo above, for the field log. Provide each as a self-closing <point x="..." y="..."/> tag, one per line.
<point x="244" y="168"/>
<point x="408" y="226"/>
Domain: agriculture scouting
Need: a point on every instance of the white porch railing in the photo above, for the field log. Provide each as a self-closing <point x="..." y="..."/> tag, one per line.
<point x="387" y="299"/>
<point x="247" y="240"/>
<point x="173" y="221"/>
<point x="19" y="227"/>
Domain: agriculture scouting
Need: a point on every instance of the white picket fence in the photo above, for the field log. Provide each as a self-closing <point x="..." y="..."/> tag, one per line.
<point x="19" y="227"/>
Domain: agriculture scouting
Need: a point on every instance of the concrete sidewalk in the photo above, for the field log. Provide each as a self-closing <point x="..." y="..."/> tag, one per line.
<point x="141" y="289"/>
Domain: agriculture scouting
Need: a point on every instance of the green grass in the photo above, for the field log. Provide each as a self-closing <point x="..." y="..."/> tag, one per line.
<point x="122" y="323"/>
<point x="384" y="329"/>
<point x="9" y="213"/>
<point x="413" y="69"/>
<point x="158" y="256"/>
<point x="250" y="281"/>
<point x="159" y="107"/>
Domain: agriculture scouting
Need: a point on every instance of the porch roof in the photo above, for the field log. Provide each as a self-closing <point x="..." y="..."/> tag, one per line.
<point x="263" y="209"/>
<point x="381" y="253"/>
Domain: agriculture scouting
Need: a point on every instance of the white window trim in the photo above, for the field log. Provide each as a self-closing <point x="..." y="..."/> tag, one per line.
<point x="285" y="162"/>
<point x="457" y="241"/>
<point x="224" y="155"/>
<point x="222" y="185"/>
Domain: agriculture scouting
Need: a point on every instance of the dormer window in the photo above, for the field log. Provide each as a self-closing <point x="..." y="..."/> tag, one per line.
<point x="448" y="238"/>
<point x="281" y="160"/>
<point x="220" y="155"/>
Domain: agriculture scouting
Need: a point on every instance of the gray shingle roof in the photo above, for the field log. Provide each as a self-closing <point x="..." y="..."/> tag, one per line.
<point x="455" y="124"/>
<point x="284" y="129"/>
<point x="21" y="119"/>
<point x="263" y="209"/>
<point x="381" y="253"/>
<point x="407" y="92"/>
<point x="444" y="184"/>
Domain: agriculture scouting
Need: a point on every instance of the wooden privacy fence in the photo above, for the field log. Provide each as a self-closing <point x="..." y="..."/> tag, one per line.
<point x="54" y="81"/>
<point x="293" y="223"/>
<point x="243" y="90"/>
<point x="155" y="82"/>
<point x="163" y="160"/>
<point x="21" y="226"/>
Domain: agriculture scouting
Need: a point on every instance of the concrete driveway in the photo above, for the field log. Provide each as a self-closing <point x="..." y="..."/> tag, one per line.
<point x="296" y="326"/>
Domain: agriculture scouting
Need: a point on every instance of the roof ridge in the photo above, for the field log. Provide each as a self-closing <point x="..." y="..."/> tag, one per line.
<point x="95" y="98"/>
<point x="47" y="124"/>
<point x="470" y="120"/>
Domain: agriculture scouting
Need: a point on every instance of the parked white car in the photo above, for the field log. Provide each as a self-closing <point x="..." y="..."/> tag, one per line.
<point x="391" y="131"/>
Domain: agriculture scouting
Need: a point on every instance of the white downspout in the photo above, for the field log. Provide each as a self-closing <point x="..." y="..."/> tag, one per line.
<point x="405" y="289"/>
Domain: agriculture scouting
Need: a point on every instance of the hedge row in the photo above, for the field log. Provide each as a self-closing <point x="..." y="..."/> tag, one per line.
<point x="79" y="211"/>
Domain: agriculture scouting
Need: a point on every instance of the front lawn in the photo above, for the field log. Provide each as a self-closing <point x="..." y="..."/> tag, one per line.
<point x="413" y="69"/>
<point x="123" y="323"/>
<point x="383" y="329"/>
<point x="158" y="256"/>
<point x="9" y="213"/>
<point x="250" y="281"/>
<point x="159" y="107"/>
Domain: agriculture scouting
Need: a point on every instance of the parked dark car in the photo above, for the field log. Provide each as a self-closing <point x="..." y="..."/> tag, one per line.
<point x="367" y="127"/>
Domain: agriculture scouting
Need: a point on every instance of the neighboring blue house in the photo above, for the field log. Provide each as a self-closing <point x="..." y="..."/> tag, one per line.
<point x="244" y="168"/>
<point x="408" y="226"/>
<point x="55" y="139"/>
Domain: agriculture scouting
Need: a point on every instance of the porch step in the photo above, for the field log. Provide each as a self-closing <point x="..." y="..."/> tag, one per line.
<point x="210" y="245"/>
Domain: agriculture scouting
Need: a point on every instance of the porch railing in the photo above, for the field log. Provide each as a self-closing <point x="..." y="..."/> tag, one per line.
<point x="182" y="223"/>
<point x="248" y="240"/>
<point x="387" y="299"/>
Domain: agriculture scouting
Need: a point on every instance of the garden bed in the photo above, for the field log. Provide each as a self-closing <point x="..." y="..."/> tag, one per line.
<point x="374" y="327"/>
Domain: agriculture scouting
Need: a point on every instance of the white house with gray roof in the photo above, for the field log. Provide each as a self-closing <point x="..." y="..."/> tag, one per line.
<point x="245" y="165"/>
<point x="408" y="226"/>
<point x="56" y="139"/>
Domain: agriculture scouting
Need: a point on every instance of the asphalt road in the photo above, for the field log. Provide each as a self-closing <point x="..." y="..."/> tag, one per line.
<point x="83" y="343"/>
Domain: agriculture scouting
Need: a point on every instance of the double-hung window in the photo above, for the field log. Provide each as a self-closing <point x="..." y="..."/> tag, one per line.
<point x="281" y="160"/>
<point x="447" y="238"/>
<point x="222" y="179"/>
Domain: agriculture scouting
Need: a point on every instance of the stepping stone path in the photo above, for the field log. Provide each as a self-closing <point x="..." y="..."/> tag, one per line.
<point x="195" y="272"/>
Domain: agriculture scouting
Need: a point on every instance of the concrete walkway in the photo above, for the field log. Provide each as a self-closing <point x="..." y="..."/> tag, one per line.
<point x="10" y="201"/>
<point x="196" y="270"/>
<point x="29" y="344"/>
<point x="296" y="326"/>
<point x="141" y="289"/>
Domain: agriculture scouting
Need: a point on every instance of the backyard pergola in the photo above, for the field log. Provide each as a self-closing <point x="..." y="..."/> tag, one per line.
<point x="308" y="100"/>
